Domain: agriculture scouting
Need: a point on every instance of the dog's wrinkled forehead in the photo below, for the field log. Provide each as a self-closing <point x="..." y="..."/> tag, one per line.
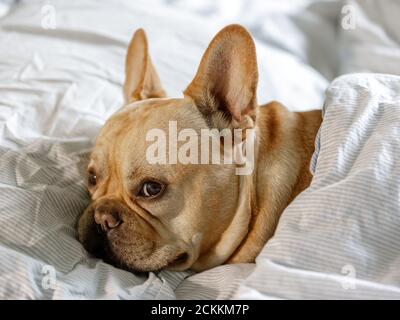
<point x="141" y="116"/>
<point x="124" y="139"/>
<point x="129" y="117"/>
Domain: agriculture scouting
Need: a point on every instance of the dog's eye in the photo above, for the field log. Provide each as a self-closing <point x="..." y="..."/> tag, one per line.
<point x="92" y="178"/>
<point x="150" y="189"/>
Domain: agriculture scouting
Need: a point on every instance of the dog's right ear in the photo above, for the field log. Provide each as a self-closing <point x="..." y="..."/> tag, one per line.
<point x="141" y="79"/>
<point x="224" y="87"/>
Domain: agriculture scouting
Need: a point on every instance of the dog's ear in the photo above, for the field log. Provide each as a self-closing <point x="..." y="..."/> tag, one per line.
<point x="224" y="88"/>
<point x="141" y="79"/>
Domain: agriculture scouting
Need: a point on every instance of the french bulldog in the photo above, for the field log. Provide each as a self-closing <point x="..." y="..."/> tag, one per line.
<point x="147" y="216"/>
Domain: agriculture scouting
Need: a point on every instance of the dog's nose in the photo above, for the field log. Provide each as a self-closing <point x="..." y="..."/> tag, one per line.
<point x="107" y="218"/>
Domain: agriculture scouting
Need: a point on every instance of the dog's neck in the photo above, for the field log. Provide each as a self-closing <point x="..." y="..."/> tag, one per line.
<point x="236" y="231"/>
<point x="284" y="149"/>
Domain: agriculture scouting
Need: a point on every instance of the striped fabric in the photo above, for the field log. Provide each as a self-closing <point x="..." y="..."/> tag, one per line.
<point x="340" y="238"/>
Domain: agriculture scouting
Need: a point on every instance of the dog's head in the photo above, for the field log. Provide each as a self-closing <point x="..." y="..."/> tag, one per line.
<point x="147" y="215"/>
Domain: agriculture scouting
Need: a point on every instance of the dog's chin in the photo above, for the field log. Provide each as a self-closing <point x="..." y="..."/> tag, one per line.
<point x="165" y="257"/>
<point x="151" y="264"/>
<point x="178" y="263"/>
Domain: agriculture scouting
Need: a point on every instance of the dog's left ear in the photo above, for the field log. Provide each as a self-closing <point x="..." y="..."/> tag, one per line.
<point x="224" y="88"/>
<point x="141" y="81"/>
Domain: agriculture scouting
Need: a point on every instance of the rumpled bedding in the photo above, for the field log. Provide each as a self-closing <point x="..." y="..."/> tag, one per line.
<point x="61" y="75"/>
<point x="340" y="238"/>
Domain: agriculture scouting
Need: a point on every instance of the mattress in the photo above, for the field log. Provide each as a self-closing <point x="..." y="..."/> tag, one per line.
<point x="61" y="76"/>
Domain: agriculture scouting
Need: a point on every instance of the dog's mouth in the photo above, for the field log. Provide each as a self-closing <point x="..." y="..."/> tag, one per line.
<point x="179" y="261"/>
<point x="100" y="245"/>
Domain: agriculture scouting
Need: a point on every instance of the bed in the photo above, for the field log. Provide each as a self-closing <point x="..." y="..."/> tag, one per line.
<point x="61" y="75"/>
